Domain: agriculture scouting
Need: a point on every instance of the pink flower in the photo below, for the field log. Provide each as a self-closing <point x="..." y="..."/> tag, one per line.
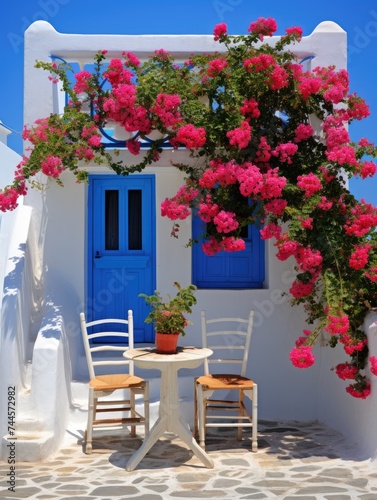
<point x="250" y="107"/>
<point x="95" y="141"/>
<point x="273" y="184"/>
<point x="362" y="393"/>
<point x="306" y="223"/>
<point x="220" y="30"/>
<point x="131" y="59"/>
<point x="373" y="364"/>
<point x="225" y="222"/>
<point x="191" y="137"/>
<point x="309" y="183"/>
<point x="308" y="85"/>
<point x="259" y="63"/>
<point x="212" y="246"/>
<point x="133" y="146"/>
<point x="359" y="258"/>
<point x="8" y="199"/>
<point x="346" y="371"/>
<point x="232" y="244"/>
<point x="324" y="204"/>
<point x="372" y="274"/>
<point x="337" y="325"/>
<point x="302" y="356"/>
<point x="263" y="27"/>
<point x="216" y="66"/>
<point x="285" y="152"/>
<point x="342" y="155"/>
<point x="278" y="78"/>
<point x="52" y="166"/>
<point x="300" y="289"/>
<point x="270" y="231"/>
<point x="250" y="179"/>
<point x="276" y="207"/>
<point x="309" y="260"/>
<point x="263" y="153"/>
<point x="352" y="345"/>
<point x="363" y="217"/>
<point x="174" y="210"/>
<point x="82" y="79"/>
<point x="286" y="247"/>
<point x="368" y="169"/>
<point x="240" y="136"/>
<point x="295" y="31"/>
<point x="303" y="132"/>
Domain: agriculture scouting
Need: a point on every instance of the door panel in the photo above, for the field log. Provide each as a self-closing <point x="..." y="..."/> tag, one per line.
<point x="121" y="246"/>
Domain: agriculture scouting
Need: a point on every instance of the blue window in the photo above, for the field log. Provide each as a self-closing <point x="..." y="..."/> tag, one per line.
<point x="245" y="269"/>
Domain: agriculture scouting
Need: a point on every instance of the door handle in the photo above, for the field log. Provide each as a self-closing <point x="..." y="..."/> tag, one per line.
<point x="97" y="256"/>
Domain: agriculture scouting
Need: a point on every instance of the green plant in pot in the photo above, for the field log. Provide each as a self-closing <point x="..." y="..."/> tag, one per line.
<point x="168" y="316"/>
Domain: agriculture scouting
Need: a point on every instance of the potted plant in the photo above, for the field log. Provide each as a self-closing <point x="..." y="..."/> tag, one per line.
<point x="167" y="316"/>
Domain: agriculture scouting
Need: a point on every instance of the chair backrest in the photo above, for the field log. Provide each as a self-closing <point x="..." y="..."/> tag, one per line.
<point x="105" y="344"/>
<point x="229" y="339"/>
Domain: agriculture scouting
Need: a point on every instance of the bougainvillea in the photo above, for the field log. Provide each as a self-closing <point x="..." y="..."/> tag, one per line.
<point x="272" y="143"/>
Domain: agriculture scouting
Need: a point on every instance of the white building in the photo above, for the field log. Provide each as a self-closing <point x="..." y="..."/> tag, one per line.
<point x="50" y="274"/>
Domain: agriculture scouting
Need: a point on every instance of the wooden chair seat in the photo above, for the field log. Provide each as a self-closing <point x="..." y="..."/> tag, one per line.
<point x="217" y="382"/>
<point x="115" y="381"/>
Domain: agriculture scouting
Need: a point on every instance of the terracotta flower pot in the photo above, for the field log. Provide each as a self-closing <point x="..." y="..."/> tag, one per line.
<point x="166" y="343"/>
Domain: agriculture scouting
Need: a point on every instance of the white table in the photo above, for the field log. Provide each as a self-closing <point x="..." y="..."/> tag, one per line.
<point x="169" y="419"/>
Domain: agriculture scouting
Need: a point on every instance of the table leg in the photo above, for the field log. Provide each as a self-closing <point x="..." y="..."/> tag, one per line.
<point x="181" y="430"/>
<point x="150" y="439"/>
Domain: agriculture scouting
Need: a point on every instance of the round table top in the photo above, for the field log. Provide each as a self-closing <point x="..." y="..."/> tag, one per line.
<point x="183" y="354"/>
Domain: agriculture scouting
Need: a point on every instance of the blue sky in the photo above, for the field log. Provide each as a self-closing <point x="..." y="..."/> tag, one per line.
<point x="191" y="17"/>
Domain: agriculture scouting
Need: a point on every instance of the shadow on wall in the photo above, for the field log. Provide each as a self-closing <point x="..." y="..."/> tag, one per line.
<point x="63" y="301"/>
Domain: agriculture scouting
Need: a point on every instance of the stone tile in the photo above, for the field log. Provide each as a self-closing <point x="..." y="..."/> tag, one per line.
<point x="297" y="461"/>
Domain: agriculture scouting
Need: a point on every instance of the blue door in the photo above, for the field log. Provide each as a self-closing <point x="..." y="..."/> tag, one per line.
<point x="121" y="245"/>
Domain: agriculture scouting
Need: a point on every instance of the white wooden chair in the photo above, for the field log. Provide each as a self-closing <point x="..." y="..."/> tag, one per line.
<point x="229" y="339"/>
<point x="102" y="356"/>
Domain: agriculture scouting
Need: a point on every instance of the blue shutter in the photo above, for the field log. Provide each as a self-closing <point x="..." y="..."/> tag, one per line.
<point x="245" y="269"/>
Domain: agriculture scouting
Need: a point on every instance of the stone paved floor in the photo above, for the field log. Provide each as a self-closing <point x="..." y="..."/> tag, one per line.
<point x="295" y="461"/>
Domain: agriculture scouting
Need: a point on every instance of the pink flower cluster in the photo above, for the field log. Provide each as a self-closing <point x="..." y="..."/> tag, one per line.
<point x="225" y="222"/>
<point x="303" y="132"/>
<point x="360" y="393"/>
<point x="352" y="345"/>
<point x="359" y="258"/>
<point x="300" y="289"/>
<point x="166" y="107"/>
<point x="216" y="66"/>
<point x="337" y="325"/>
<point x="302" y="356"/>
<point x="220" y="30"/>
<point x="372" y="274"/>
<point x="227" y="243"/>
<point x="191" y="137"/>
<point x="362" y="219"/>
<point x="52" y="166"/>
<point x="9" y="197"/>
<point x="346" y="371"/>
<point x="250" y="108"/>
<point x="82" y="81"/>
<point x="263" y="27"/>
<point x="240" y="136"/>
<point x="373" y="364"/>
<point x="309" y="183"/>
<point x="285" y="152"/>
